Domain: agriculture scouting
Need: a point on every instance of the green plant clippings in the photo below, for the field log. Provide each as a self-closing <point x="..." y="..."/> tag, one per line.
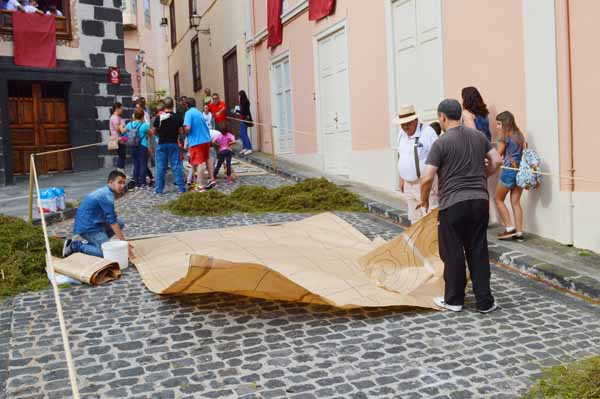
<point x="309" y="196"/>
<point x="23" y="256"/>
<point x="578" y="380"/>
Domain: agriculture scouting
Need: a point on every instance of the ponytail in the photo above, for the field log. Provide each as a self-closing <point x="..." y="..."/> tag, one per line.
<point x="115" y="107"/>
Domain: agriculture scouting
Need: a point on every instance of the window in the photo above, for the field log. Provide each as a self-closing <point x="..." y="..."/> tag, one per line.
<point x="147" y="14"/>
<point x="176" y="85"/>
<point x="62" y="13"/>
<point x="284" y="6"/>
<point x="173" y="27"/>
<point x="196" y="64"/>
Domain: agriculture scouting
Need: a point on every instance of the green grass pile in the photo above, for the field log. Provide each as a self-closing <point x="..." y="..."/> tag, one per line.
<point x="22" y="256"/>
<point x="579" y="380"/>
<point x="309" y="196"/>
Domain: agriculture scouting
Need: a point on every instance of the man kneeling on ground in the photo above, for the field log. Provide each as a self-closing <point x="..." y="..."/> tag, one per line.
<point x="96" y="220"/>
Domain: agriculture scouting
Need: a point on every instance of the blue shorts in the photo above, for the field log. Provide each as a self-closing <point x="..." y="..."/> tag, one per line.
<point x="508" y="178"/>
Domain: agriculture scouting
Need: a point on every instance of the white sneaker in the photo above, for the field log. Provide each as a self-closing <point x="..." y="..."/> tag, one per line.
<point x="248" y="152"/>
<point x="67" y="250"/>
<point x="244" y="152"/>
<point x="490" y="310"/>
<point x="439" y="301"/>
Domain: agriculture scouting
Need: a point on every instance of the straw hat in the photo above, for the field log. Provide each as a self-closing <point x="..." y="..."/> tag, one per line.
<point x="407" y="113"/>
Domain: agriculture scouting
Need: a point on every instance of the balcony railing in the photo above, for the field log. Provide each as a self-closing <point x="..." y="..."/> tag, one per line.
<point x="63" y="25"/>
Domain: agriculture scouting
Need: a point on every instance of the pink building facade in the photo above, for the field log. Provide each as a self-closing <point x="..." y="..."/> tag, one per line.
<point x="332" y="88"/>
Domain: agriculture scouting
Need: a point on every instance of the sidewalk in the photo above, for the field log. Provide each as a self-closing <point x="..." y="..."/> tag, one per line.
<point x="559" y="265"/>
<point x="14" y="199"/>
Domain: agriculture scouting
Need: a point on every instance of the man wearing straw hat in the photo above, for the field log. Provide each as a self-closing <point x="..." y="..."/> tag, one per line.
<point x="96" y="220"/>
<point x="413" y="144"/>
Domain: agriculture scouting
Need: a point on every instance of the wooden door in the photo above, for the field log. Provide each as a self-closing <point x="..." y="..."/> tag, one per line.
<point x="334" y="112"/>
<point x="282" y="106"/>
<point x="53" y="128"/>
<point x="417" y="27"/>
<point x="230" y="76"/>
<point x="38" y="122"/>
<point x="22" y="116"/>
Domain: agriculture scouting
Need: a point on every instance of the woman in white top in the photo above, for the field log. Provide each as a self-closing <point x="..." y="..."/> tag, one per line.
<point x="13" y="5"/>
<point x="208" y="117"/>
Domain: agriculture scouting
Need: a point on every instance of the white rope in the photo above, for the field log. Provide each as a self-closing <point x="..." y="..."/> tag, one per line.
<point x="68" y="149"/>
<point x="59" y="310"/>
<point x="585" y="179"/>
<point x="313" y="134"/>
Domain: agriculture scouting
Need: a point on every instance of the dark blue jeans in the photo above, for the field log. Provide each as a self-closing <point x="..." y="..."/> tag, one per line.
<point x="122" y="153"/>
<point x="95" y="239"/>
<point x="224" y="156"/>
<point x="246" y="143"/>
<point x="140" y="165"/>
<point x="165" y="154"/>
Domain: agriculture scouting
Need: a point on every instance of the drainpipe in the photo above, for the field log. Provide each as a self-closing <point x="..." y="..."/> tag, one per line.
<point x="565" y="104"/>
<point x="255" y="72"/>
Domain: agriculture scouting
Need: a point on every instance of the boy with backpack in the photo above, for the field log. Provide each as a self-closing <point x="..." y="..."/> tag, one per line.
<point x="137" y="141"/>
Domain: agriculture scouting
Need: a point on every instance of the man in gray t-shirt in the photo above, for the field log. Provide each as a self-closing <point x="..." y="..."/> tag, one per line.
<point x="459" y="158"/>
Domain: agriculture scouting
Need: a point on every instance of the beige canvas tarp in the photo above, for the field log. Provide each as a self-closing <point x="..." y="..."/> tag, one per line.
<point x="321" y="259"/>
<point x="87" y="269"/>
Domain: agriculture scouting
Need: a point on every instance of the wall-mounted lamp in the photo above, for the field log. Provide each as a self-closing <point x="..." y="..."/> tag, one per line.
<point x="195" y="20"/>
<point x="139" y="57"/>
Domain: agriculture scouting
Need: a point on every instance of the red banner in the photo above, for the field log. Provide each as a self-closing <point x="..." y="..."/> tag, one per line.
<point x="274" y="9"/>
<point x="319" y="9"/>
<point x="34" y="37"/>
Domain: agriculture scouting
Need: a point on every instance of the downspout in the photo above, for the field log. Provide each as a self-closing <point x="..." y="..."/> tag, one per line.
<point x="166" y="35"/>
<point x="255" y="71"/>
<point x="565" y="104"/>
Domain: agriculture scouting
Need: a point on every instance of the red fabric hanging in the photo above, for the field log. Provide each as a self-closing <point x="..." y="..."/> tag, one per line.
<point x="319" y="9"/>
<point x="274" y="9"/>
<point x="34" y="39"/>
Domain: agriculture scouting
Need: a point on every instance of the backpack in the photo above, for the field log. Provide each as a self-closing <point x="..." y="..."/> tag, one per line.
<point x="526" y="176"/>
<point x="133" y="134"/>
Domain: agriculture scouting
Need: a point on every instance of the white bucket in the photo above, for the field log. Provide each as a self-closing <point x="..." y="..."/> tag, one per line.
<point x="117" y="251"/>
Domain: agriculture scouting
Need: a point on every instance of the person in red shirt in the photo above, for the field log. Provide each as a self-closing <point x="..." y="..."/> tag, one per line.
<point x="219" y="110"/>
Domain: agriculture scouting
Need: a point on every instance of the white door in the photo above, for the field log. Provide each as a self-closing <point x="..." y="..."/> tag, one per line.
<point x="417" y="27"/>
<point x="282" y="96"/>
<point x="334" y="109"/>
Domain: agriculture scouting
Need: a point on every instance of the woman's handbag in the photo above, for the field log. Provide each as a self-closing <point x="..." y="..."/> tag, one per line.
<point x="248" y="121"/>
<point x="113" y="143"/>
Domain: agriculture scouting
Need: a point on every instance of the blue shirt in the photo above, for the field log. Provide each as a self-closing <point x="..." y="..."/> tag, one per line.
<point x="96" y="211"/>
<point x="142" y="128"/>
<point x="199" y="133"/>
<point x="512" y="153"/>
<point x="482" y="124"/>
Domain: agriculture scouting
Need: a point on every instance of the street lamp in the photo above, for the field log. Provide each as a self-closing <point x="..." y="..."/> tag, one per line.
<point x="139" y="57"/>
<point x="195" y="20"/>
<point x="139" y="65"/>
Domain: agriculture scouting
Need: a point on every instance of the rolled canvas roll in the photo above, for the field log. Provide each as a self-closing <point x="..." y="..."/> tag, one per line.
<point x="88" y="269"/>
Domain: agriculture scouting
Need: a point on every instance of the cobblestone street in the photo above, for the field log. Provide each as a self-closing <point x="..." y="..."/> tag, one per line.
<point x="130" y="343"/>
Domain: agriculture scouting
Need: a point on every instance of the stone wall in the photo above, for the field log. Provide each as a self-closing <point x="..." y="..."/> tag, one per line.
<point x="99" y="28"/>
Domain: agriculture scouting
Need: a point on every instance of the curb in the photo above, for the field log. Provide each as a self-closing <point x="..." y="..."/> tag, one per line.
<point x="538" y="269"/>
<point x="56" y="217"/>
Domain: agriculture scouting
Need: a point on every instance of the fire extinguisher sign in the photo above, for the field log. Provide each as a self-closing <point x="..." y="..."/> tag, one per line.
<point x="114" y="75"/>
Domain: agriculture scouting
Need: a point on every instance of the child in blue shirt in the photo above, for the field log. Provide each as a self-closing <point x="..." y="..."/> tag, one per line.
<point x="139" y="153"/>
